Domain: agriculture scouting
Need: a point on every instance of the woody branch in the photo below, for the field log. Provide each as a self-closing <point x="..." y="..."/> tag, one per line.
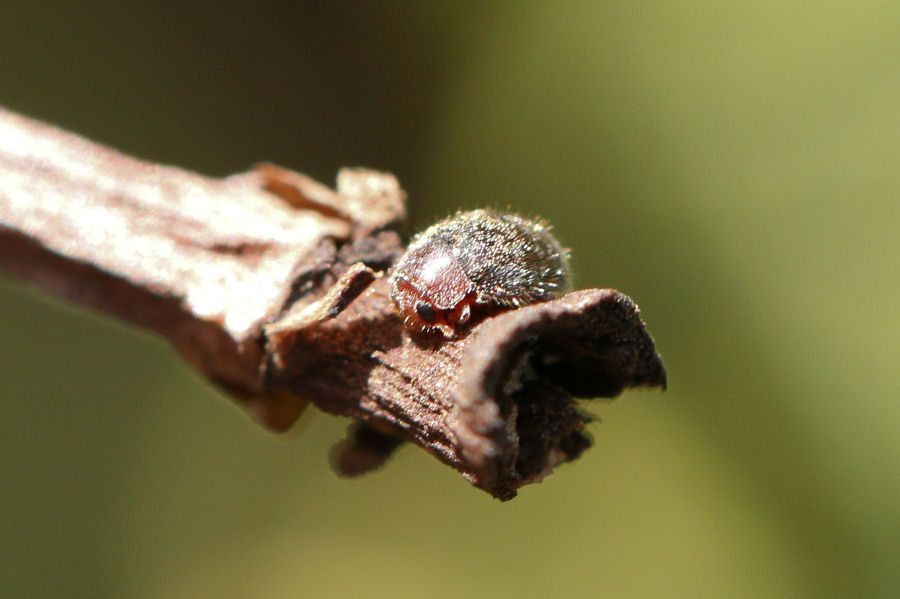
<point x="272" y="285"/>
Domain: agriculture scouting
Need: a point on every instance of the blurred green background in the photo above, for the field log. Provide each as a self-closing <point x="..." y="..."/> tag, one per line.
<point x="733" y="166"/>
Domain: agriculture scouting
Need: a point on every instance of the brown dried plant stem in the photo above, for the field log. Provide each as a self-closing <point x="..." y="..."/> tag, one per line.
<point x="272" y="285"/>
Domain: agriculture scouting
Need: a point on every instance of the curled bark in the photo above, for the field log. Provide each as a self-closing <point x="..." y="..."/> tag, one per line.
<point x="273" y="285"/>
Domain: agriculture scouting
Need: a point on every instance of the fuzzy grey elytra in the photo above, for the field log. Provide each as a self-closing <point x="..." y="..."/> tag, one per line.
<point x="483" y="259"/>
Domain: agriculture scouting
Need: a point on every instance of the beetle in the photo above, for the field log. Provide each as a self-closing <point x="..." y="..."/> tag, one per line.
<point x="478" y="261"/>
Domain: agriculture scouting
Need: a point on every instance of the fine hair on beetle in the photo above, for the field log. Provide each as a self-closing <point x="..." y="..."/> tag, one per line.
<point x="473" y="264"/>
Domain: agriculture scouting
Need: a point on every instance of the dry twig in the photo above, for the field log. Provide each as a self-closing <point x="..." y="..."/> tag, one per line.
<point x="272" y="285"/>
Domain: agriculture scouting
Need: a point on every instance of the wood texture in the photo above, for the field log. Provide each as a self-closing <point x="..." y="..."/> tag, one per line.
<point x="273" y="285"/>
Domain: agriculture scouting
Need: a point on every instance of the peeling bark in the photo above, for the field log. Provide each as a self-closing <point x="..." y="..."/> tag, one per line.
<point x="273" y="285"/>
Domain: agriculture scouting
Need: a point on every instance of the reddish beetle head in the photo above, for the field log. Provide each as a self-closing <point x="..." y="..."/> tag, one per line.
<point x="431" y="290"/>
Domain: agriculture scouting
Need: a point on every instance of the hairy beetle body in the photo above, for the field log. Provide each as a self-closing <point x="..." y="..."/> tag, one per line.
<point x="474" y="261"/>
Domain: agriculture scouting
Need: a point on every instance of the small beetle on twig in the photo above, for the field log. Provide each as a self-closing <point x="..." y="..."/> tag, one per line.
<point x="476" y="261"/>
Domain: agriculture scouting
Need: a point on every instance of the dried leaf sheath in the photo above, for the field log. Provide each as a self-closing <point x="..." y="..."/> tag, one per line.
<point x="496" y="403"/>
<point x="208" y="263"/>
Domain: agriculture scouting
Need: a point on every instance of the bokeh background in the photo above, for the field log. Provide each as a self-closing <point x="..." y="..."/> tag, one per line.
<point x="733" y="166"/>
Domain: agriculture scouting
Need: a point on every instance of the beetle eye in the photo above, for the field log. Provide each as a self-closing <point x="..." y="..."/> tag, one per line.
<point x="425" y="312"/>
